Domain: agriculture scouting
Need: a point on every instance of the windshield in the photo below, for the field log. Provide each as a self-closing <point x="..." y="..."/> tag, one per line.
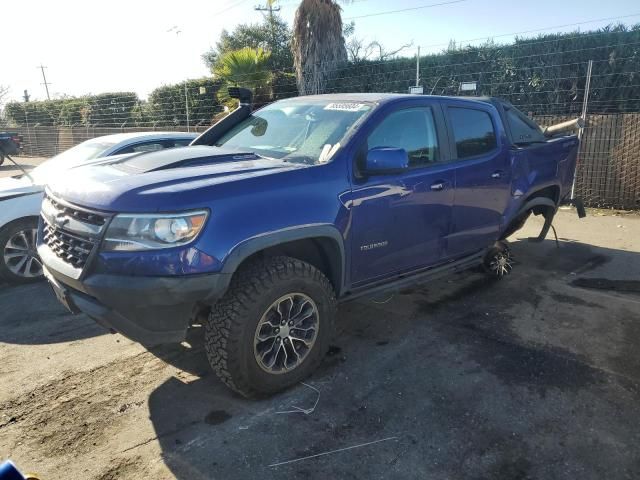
<point x="303" y="131"/>
<point x="70" y="158"/>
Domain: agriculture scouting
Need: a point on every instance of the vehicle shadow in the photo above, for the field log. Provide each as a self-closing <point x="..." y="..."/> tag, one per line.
<point x="31" y="315"/>
<point x="432" y="371"/>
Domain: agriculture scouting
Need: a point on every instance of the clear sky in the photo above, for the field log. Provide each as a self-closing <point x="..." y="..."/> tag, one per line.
<point x="123" y="45"/>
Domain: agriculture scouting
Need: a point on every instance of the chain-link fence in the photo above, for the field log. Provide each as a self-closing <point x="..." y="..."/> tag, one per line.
<point x="608" y="171"/>
<point x="546" y="78"/>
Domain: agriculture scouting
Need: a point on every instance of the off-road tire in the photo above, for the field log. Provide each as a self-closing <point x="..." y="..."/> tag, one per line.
<point x="6" y="233"/>
<point x="232" y="322"/>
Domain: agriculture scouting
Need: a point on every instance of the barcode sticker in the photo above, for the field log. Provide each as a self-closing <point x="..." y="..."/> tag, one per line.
<point x="345" y="107"/>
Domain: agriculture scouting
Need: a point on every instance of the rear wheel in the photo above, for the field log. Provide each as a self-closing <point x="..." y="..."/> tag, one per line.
<point x="19" y="261"/>
<point x="498" y="262"/>
<point x="273" y="326"/>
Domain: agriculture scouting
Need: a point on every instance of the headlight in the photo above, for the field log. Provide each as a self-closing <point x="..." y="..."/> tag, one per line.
<point x="131" y="232"/>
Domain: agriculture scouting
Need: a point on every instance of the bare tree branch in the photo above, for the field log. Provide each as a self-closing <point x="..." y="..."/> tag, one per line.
<point x="384" y="54"/>
<point x="358" y="51"/>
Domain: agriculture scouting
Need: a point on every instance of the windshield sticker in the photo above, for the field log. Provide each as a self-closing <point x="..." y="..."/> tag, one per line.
<point x="345" y="107"/>
<point x="327" y="152"/>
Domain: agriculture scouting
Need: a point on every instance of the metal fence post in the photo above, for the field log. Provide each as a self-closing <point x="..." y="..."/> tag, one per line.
<point x="585" y="104"/>
<point x="186" y="104"/>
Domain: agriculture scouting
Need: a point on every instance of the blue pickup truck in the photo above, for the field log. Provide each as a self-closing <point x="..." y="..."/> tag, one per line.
<point x="270" y="218"/>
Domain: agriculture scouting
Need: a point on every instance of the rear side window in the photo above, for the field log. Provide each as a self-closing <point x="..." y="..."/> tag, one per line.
<point x="523" y="130"/>
<point x="473" y="132"/>
<point x="412" y="129"/>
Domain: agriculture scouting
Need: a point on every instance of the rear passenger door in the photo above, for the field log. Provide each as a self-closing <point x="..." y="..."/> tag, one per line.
<point x="483" y="175"/>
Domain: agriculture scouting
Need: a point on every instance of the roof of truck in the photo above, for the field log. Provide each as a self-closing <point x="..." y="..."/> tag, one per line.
<point x="384" y="97"/>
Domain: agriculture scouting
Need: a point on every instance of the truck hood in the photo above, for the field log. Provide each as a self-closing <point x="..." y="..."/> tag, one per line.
<point x="158" y="181"/>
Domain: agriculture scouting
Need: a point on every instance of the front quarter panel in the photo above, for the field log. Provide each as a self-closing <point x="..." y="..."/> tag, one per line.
<point x="242" y="213"/>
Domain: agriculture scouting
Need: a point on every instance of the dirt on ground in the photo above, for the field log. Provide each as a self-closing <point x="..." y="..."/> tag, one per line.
<point x="533" y="376"/>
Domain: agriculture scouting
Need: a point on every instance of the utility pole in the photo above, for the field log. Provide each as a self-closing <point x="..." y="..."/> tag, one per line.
<point x="269" y="7"/>
<point x="186" y="104"/>
<point x="418" y="67"/>
<point x="26" y="96"/>
<point x="44" y="78"/>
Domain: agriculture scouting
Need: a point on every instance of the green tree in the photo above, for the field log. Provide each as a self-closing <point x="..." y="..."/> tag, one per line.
<point x="272" y="35"/>
<point x="318" y="44"/>
<point x="247" y="68"/>
<point x="106" y="109"/>
<point x="167" y="104"/>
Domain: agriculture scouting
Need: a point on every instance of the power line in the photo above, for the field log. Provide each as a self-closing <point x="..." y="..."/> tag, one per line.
<point x="389" y="12"/>
<point x="606" y="19"/>
<point x="234" y="5"/>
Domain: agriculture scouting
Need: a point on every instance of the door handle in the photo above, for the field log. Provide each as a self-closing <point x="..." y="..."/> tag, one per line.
<point x="497" y="174"/>
<point x="437" y="186"/>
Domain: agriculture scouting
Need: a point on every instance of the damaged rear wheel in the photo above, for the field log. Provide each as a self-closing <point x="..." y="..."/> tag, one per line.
<point x="498" y="261"/>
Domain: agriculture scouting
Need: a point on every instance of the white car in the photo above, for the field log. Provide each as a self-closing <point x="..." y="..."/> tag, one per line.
<point x="21" y="197"/>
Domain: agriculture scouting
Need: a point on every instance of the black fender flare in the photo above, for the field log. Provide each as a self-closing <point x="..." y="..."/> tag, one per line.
<point x="518" y="220"/>
<point x="550" y="212"/>
<point x="261" y="242"/>
<point x="538" y="202"/>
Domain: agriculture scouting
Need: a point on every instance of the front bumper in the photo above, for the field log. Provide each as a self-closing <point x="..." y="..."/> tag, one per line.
<point x="148" y="310"/>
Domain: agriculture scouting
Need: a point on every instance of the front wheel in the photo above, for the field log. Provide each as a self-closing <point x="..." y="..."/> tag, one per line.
<point x="19" y="261"/>
<point x="273" y="326"/>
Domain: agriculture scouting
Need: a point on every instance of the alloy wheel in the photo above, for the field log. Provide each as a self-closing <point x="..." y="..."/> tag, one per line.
<point x="20" y="254"/>
<point x="286" y="333"/>
<point x="501" y="263"/>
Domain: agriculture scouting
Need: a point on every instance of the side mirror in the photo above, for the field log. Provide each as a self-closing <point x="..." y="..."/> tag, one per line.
<point x="385" y="160"/>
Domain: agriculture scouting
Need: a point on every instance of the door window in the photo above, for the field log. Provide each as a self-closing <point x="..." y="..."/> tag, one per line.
<point x="182" y="142"/>
<point x="143" y="147"/>
<point x="473" y="132"/>
<point x="412" y="129"/>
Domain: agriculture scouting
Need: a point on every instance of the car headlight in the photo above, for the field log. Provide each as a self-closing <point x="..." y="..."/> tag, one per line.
<point x="131" y="232"/>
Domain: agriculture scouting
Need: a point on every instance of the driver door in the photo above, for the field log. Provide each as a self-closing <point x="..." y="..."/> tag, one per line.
<point x="400" y="221"/>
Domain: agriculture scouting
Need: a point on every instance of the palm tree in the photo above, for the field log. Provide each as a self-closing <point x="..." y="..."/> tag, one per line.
<point x="247" y="67"/>
<point x="317" y="44"/>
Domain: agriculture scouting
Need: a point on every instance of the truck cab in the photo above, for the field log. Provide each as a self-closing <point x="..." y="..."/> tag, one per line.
<point x="271" y="217"/>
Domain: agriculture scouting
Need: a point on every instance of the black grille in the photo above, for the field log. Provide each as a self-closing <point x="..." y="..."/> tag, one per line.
<point x="72" y="249"/>
<point x="71" y="233"/>
<point x="81" y="215"/>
